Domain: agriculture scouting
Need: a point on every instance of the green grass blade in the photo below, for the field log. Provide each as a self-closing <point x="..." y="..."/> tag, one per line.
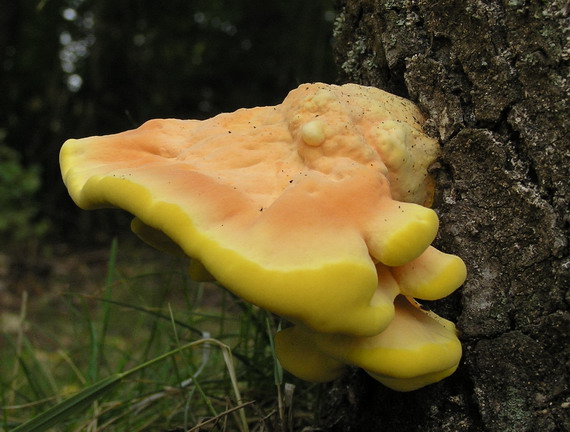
<point x="40" y="378"/>
<point x="110" y="279"/>
<point x="147" y="311"/>
<point x="93" y="370"/>
<point x="277" y="369"/>
<point x="59" y="412"/>
<point x="196" y="373"/>
<point x="19" y="344"/>
<point x="228" y="359"/>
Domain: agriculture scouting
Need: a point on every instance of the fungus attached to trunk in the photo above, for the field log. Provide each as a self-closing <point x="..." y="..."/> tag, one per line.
<point x="313" y="209"/>
<point x="416" y="349"/>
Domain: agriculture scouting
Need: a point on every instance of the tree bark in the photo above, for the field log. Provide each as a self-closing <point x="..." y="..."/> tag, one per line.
<point x="492" y="77"/>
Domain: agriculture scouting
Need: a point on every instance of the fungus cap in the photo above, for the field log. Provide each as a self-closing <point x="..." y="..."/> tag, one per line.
<point x="431" y="276"/>
<point x="290" y="206"/>
<point x="418" y="348"/>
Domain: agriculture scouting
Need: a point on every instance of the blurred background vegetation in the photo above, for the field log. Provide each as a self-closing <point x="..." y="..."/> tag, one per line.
<point x="75" y="68"/>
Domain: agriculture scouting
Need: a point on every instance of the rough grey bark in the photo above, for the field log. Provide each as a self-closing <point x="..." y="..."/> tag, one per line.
<point x="492" y="76"/>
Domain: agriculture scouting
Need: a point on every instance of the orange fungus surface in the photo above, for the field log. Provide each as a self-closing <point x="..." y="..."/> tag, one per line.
<point x="314" y="209"/>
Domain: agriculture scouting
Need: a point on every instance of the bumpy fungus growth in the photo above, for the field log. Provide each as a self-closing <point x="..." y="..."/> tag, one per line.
<point x="314" y="209"/>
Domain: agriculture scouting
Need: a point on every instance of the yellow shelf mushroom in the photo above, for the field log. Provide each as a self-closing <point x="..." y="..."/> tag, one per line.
<point x="417" y="348"/>
<point x="292" y="207"/>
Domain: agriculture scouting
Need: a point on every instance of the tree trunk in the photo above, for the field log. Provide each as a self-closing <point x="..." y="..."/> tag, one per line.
<point x="492" y="76"/>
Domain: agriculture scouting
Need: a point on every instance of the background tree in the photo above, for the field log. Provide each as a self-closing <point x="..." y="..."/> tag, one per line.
<point x="75" y="68"/>
<point x="493" y="78"/>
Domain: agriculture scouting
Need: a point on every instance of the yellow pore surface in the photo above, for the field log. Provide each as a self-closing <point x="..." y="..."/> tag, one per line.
<point x="291" y="206"/>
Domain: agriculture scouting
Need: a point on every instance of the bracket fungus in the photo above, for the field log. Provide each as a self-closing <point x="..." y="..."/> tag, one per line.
<point x="417" y="348"/>
<point x="315" y="209"/>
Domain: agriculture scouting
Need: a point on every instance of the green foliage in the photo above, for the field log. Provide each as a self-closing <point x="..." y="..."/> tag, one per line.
<point x="18" y="205"/>
<point x="149" y="352"/>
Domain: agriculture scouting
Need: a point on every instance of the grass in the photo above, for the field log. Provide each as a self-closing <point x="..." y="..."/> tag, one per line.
<point x="150" y="350"/>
